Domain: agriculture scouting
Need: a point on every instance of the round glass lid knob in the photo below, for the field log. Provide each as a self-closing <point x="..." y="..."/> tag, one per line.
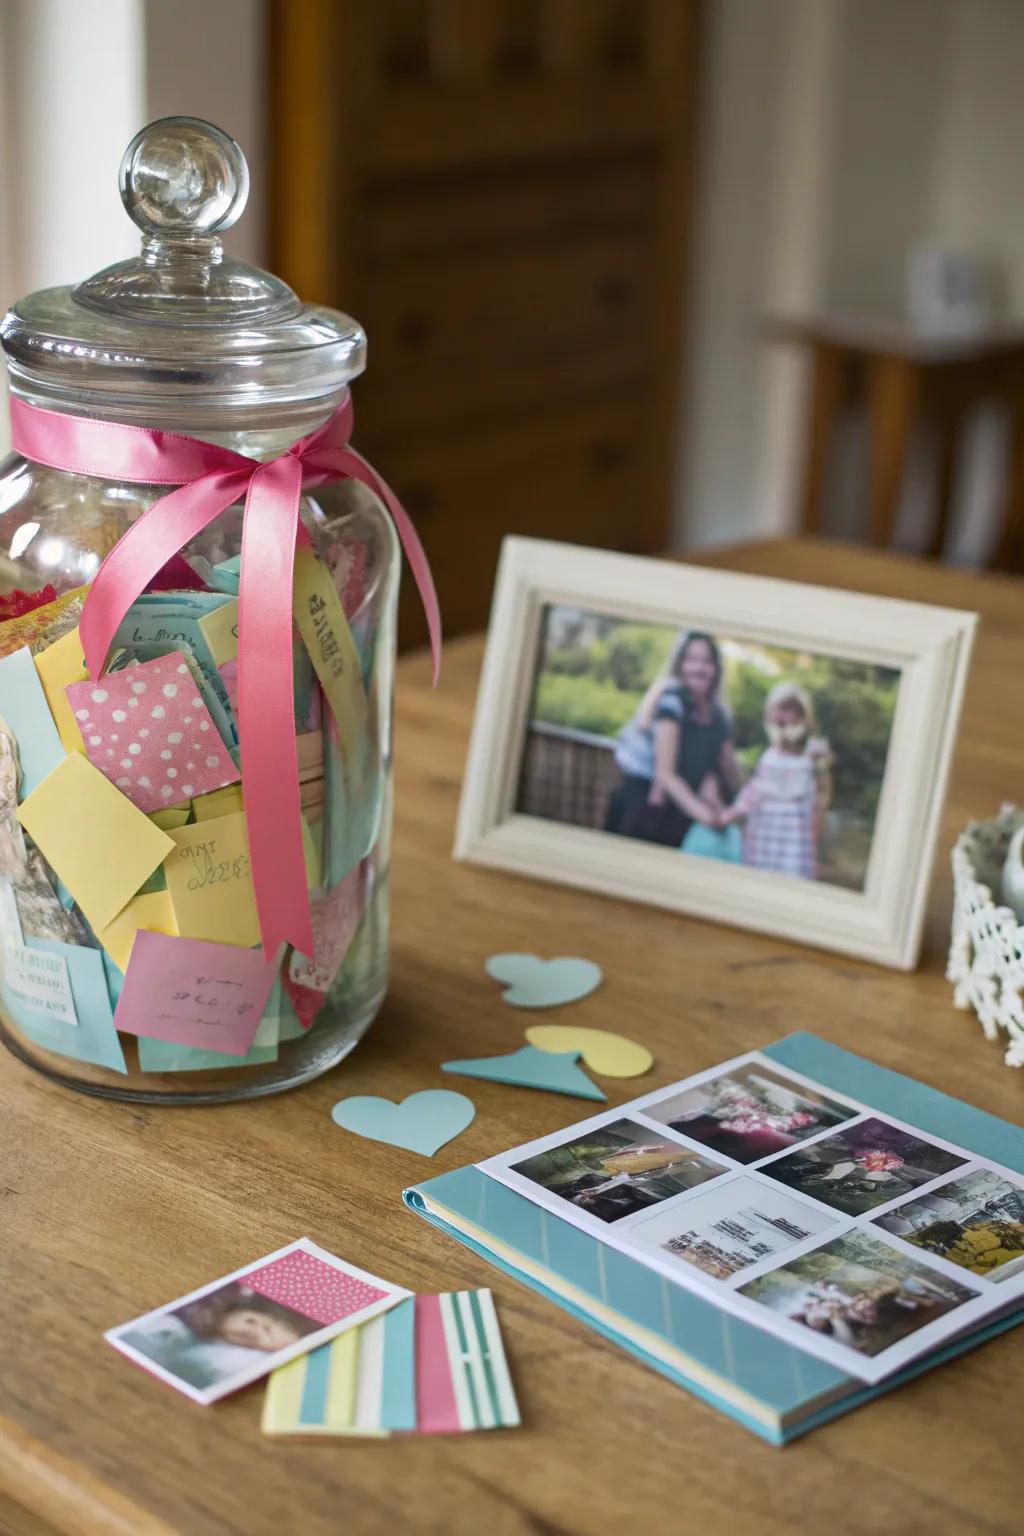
<point x="181" y="177"/>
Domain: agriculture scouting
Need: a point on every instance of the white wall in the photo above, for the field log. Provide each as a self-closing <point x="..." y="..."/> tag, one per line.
<point x="78" y="78"/>
<point x="836" y="134"/>
<point x="890" y="97"/>
<point x="222" y="80"/>
<point x="980" y="196"/>
<point x="72" y="99"/>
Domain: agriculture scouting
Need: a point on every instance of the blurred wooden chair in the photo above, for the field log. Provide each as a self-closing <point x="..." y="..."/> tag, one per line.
<point x="903" y="378"/>
<point x="499" y="191"/>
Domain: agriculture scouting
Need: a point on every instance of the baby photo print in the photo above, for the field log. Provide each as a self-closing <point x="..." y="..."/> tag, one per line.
<point x="236" y="1330"/>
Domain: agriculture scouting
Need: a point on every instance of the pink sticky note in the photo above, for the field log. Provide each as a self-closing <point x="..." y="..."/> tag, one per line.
<point x="149" y="732"/>
<point x="193" y="993"/>
<point x="335" y="917"/>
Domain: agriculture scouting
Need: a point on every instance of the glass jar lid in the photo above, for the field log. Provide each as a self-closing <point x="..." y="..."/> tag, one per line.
<point x="181" y="331"/>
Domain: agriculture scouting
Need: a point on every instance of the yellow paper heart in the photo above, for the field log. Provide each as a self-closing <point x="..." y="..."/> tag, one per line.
<point x="606" y="1054"/>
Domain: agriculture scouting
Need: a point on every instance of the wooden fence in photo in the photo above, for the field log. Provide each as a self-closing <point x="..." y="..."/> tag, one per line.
<point x="567" y="775"/>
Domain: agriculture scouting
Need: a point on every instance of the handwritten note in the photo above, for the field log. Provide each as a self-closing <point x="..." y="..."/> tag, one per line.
<point x="100" y="845"/>
<point x="39" y="981"/>
<point x="207" y="995"/>
<point x="328" y="639"/>
<point x="210" y="883"/>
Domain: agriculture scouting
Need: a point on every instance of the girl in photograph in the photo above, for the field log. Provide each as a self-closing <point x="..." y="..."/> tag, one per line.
<point x="209" y="1340"/>
<point x="784" y="801"/>
<point x="236" y="1315"/>
<point x="676" y="754"/>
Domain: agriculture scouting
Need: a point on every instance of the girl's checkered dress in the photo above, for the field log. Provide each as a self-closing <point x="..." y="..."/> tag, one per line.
<point x="781" y="798"/>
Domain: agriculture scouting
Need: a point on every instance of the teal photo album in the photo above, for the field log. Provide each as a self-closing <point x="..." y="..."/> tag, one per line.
<point x="787" y="1234"/>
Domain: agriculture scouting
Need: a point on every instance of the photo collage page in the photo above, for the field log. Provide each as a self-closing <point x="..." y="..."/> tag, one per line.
<point x="850" y="1234"/>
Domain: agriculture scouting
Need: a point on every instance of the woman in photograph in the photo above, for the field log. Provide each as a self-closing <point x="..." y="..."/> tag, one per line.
<point x="676" y="754"/>
<point x="785" y="800"/>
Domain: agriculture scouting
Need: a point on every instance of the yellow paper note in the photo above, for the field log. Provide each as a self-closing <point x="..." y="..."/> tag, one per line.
<point x="218" y="802"/>
<point x="153" y="912"/>
<point x="172" y="816"/>
<point x="311" y="843"/>
<point x="60" y="664"/>
<point x="332" y="650"/>
<point x="100" y="845"/>
<point x="220" y="631"/>
<point x="210" y="883"/>
<point x="606" y="1054"/>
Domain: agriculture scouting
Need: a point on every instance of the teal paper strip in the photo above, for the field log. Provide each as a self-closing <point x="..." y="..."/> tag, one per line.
<point x="313" y="1406"/>
<point x="398" y="1394"/>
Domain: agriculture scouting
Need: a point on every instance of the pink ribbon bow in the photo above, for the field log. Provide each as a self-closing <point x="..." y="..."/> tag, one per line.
<point x="209" y="480"/>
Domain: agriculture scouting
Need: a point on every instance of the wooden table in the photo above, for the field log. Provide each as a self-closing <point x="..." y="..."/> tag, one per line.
<point x="903" y="377"/>
<point x="109" y="1210"/>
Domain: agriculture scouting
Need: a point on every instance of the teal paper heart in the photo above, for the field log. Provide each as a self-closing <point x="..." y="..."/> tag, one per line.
<point x="536" y="983"/>
<point x="552" y="1071"/>
<point x="421" y="1123"/>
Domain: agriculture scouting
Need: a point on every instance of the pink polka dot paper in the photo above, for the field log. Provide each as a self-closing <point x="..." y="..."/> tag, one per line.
<point x="315" y="1289"/>
<point x="148" y="731"/>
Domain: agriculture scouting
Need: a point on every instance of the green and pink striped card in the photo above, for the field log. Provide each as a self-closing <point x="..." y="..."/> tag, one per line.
<point x="431" y="1365"/>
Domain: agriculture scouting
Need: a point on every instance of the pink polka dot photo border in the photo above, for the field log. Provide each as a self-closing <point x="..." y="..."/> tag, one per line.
<point x="148" y="730"/>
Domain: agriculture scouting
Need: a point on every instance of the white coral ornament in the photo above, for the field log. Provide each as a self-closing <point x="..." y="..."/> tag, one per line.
<point x="986" y="956"/>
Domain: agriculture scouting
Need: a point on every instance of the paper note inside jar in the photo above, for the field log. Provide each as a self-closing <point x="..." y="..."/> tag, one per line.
<point x="206" y="995"/>
<point x="328" y="639"/>
<point x="210" y="883"/>
<point x="38" y="980"/>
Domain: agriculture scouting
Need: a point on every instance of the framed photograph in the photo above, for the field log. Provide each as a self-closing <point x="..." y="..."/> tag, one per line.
<point x="753" y="751"/>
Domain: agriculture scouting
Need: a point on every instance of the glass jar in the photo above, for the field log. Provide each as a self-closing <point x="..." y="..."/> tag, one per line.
<point x="185" y="339"/>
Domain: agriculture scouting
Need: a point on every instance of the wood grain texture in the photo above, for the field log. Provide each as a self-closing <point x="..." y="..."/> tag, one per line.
<point x="501" y="193"/>
<point x="108" y="1210"/>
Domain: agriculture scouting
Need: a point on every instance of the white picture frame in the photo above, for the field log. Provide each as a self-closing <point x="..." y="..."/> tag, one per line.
<point x="931" y="647"/>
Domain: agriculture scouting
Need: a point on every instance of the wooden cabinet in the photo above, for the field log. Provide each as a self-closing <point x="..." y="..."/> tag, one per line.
<point x="499" y="190"/>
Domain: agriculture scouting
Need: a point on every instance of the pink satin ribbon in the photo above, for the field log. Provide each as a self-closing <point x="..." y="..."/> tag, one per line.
<point x="209" y="480"/>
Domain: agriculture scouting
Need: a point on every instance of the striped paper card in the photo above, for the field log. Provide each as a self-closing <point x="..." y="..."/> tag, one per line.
<point x="432" y="1365"/>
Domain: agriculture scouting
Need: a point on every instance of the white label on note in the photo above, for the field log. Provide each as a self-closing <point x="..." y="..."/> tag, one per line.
<point x="39" y="980"/>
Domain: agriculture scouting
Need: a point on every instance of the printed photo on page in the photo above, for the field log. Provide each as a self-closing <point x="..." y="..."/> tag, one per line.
<point x="235" y="1330"/>
<point x="853" y="1236"/>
